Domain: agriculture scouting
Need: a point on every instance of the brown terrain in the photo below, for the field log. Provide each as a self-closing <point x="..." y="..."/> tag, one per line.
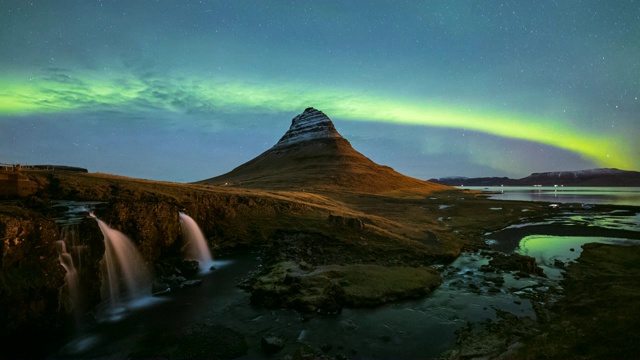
<point x="334" y="229"/>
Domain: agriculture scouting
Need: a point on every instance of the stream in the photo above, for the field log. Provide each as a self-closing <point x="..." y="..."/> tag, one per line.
<point x="423" y="328"/>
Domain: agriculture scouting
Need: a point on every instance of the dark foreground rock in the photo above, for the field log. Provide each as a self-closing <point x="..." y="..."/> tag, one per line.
<point x="200" y="341"/>
<point x="31" y="274"/>
<point x="35" y="301"/>
<point x="272" y="344"/>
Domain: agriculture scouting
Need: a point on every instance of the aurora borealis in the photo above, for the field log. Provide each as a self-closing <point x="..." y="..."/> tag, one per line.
<point x="186" y="90"/>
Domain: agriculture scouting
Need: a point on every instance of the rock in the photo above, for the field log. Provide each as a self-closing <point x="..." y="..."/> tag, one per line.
<point x="497" y="280"/>
<point x="348" y="222"/>
<point x="199" y="341"/>
<point x="190" y="283"/>
<point x="31" y="277"/>
<point x="272" y="344"/>
<point x="174" y="280"/>
<point x="311" y="124"/>
<point x="306" y="351"/>
<point x="348" y="324"/>
<point x="139" y="221"/>
<point x="522" y="264"/>
<point x="160" y="288"/>
<point x="189" y="267"/>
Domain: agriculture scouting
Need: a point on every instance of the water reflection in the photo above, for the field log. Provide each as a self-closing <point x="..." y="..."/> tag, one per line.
<point x="565" y="194"/>
<point x="552" y="252"/>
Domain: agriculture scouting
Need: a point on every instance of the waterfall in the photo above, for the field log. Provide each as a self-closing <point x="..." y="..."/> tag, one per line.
<point x="196" y="245"/>
<point x="71" y="276"/>
<point x="125" y="276"/>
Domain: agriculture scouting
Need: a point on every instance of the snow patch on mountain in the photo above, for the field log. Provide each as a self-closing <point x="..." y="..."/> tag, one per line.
<point x="311" y="124"/>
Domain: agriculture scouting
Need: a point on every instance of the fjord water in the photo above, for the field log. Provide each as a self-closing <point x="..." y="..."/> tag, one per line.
<point x="564" y="194"/>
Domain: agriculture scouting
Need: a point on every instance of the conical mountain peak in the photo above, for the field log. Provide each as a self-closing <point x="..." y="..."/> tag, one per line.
<point x="312" y="155"/>
<point x="311" y="124"/>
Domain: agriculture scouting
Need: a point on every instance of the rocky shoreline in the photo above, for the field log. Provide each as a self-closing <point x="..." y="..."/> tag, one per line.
<point x="592" y="314"/>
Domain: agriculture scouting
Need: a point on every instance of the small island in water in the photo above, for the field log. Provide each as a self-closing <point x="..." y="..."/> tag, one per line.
<point x="311" y="250"/>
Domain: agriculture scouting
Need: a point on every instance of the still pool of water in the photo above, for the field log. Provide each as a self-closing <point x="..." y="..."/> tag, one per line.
<point x="547" y="249"/>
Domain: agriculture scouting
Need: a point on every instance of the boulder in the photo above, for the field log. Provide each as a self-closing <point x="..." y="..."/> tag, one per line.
<point x="189" y="267"/>
<point x="272" y="344"/>
<point x="348" y="222"/>
<point x="522" y="264"/>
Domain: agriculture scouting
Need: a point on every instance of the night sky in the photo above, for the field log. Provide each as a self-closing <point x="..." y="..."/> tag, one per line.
<point x="187" y="90"/>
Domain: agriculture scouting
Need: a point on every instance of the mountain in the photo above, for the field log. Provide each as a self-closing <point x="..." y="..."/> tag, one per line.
<point x="313" y="155"/>
<point x="590" y="177"/>
<point x="481" y="181"/>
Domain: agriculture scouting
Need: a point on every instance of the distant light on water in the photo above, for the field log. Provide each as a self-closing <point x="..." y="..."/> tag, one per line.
<point x="564" y="194"/>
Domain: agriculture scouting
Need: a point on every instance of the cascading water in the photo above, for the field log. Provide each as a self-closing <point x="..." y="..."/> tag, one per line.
<point x="71" y="276"/>
<point x="196" y="245"/>
<point x="126" y="278"/>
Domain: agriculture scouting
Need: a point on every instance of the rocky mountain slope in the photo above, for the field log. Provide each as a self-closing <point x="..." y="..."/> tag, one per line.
<point x="312" y="155"/>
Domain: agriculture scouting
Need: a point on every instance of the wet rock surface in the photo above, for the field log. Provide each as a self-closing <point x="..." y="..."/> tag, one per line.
<point x="523" y="265"/>
<point x="575" y="320"/>
<point x="272" y="344"/>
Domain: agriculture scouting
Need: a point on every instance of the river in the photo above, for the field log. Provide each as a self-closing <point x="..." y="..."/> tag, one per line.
<point x="417" y="329"/>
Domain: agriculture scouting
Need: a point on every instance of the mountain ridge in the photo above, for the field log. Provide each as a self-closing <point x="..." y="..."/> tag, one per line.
<point x="588" y="177"/>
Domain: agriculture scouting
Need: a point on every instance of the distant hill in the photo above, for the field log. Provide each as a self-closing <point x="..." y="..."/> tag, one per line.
<point x="481" y="181"/>
<point x="591" y="177"/>
<point x="313" y="155"/>
<point x="59" y="168"/>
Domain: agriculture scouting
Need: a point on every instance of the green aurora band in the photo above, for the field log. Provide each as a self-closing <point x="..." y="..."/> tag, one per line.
<point x="61" y="92"/>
